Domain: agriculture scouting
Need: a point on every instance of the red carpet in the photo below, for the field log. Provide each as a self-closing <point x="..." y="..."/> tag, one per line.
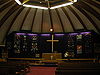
<point x="42" y="71"/>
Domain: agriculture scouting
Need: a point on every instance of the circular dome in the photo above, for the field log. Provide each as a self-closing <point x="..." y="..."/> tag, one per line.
<point x="84" y="14"/>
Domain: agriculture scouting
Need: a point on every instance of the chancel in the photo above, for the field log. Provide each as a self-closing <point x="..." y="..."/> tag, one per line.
<point x="49" y="37"/>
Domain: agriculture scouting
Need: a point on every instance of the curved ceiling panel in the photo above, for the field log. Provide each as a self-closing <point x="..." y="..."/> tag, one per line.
<point x="84" y="14"/>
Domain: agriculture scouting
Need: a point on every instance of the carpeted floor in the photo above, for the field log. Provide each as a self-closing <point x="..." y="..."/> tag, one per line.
<point x="42" y="71"/>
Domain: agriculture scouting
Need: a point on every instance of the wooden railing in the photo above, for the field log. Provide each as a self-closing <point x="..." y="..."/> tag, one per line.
<point x="56" y="60"/>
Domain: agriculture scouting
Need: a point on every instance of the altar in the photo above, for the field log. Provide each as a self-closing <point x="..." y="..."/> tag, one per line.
<point x="51" y="56"/>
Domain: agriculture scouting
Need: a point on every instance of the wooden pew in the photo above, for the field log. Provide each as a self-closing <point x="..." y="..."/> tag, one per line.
<point x="13" y="68"/>
<point x="78" y="69"/>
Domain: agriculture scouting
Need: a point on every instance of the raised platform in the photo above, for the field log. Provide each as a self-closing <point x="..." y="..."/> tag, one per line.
<point x="42" y="60"/>
<point x="52" y="63"/>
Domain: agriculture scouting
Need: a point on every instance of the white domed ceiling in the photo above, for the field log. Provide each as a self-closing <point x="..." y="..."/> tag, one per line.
<point x="84" y="14"/>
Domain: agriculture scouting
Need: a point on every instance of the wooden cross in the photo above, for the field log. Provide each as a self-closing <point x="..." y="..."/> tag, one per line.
<point x="52" y="41"/>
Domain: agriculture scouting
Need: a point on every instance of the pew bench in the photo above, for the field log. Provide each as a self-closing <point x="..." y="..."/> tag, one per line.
<point x="78" y="69"/>
<point x="14" y="68"/>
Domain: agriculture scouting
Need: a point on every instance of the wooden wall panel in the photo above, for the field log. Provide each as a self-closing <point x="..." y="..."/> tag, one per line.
<point x="3" y="1"/>
<point x="86" y="15"/>
<point x="4" y="28"/>
<point x="37" y="21"/>
<point x="2" y="5"/>
<point x="65" y="21"/>
<point x="85" y="20"/>
<point x="56" y="22"/>
<point x="74" y="20"/>
<point x="95" y="20"/>
<point x="46" y="21"/>
<point x="89" y="9"/>
<point x="28" y="21"/>
<point x="98" y="2"/>
<point x="94" y="7"/>
<point x="18" y="22"/>
<point x="3" y="13"/>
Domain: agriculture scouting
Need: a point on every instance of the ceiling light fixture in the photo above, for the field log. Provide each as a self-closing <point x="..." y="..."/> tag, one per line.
<point x="62" y="5"/>
<point x="75" y="0"/>
<point x="18" y="2"/>
<point x="40" y="7"/>
<point x="32" y="6"/>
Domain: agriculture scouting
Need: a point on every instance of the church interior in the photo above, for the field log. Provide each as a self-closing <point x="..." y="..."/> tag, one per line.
<point x="49" y="37"/>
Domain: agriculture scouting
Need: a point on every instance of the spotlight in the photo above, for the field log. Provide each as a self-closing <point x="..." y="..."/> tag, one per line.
<point x="51" y="29"/>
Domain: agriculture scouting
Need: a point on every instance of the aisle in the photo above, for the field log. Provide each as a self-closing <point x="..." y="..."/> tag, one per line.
<point x="42" y="71"/>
